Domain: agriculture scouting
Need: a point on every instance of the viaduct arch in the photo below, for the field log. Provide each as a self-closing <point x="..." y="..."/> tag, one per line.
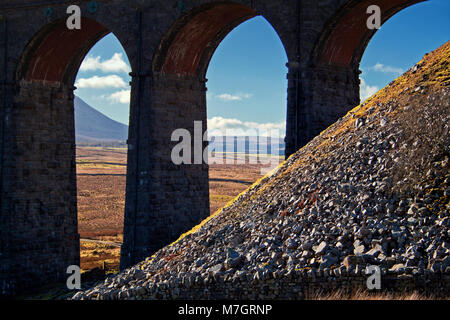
<point x="169" y="45"/>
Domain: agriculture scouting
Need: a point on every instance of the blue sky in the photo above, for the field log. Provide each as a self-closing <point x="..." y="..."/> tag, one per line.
<point x="247" y="74"/>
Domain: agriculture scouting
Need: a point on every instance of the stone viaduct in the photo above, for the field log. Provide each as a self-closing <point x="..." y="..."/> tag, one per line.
<point x="169" y="44"/>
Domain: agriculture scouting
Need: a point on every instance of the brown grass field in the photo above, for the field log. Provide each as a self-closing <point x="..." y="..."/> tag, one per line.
<point x="101" y="179"/>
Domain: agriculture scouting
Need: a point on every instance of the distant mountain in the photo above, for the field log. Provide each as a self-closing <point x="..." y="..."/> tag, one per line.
<point x="92" y="126"/>
<point x="250" y="145"/>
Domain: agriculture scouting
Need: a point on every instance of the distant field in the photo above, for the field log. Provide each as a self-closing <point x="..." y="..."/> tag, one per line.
<point x="101" y="179"/>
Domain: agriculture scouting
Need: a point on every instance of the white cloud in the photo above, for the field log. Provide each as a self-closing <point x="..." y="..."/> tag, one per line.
<point x="367" y="91"/>
<point x="228" y="97"/>
<point x="379" y="67"/>
<point x="236" y="97"/>
<point x="115" y="64"/>
<point x="112" y="81"/>
<point x="120" y="97"/>
<point x="235" y="126"/>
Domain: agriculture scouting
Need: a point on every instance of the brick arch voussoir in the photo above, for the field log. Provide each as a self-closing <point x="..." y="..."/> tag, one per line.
<point x="345" y="37"/>
<point x="188" y="46"/>
<point x="55" y="53"/>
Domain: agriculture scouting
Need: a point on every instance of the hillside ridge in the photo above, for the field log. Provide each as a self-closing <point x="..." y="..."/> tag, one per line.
<point x="372" y="189"/>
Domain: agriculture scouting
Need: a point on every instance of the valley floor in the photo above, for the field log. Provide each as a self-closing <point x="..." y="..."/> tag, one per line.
<point x="101" y="180"/>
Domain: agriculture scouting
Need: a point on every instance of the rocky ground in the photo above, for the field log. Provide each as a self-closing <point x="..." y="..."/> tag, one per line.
<point x="372" y="189"/>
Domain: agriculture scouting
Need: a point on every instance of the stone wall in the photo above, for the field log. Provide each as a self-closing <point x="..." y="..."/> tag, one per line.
<point x="39" y="175"/>
<point x="295" y="285"/>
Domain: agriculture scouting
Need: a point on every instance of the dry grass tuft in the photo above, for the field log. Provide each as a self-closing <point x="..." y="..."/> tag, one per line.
<point x="366" y="295"/>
